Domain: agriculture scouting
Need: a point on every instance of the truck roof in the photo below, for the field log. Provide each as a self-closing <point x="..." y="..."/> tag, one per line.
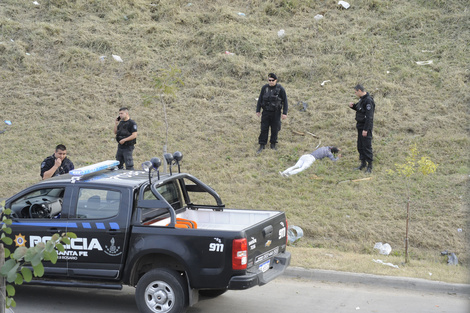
<point x="122" y="178"/>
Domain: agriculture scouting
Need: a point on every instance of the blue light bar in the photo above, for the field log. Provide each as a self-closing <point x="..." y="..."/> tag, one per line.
<point x="94" y="168"/>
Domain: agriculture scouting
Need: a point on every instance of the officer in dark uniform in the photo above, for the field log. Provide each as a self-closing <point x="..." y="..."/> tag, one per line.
<point x="56" y="164"/>
<point x="126" y="134"/>
<point x="364" y="123"/>
<point x="273" y="100"/>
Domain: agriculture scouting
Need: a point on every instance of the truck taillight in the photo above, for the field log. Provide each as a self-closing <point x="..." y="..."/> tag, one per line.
<point x="239" y="254"/>
<point x="287" y="227"/>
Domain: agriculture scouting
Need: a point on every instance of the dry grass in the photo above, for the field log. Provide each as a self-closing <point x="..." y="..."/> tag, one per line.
<point x="56" y="90"/>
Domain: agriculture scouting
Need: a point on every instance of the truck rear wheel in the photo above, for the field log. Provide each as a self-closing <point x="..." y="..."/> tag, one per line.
<point x="161" y="291"/>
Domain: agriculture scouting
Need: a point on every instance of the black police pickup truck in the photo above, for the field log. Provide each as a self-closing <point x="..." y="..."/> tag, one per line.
<point x="168" y="235"/>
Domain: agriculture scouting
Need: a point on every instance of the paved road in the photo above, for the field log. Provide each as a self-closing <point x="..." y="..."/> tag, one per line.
<point x="285" y="294"/>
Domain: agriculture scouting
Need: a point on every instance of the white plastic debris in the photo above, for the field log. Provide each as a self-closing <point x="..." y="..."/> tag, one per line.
<point x="344" y="4"/>
<point x="281" y="33"/>
<point x="318" y="17"/>
<point x="36" y="3"/>
<point x="229" y="53"/>
<point x="384" y="249"/>
<point x="382" y="262"/>
<point x="324" y="82"/>
<point x="117" y="58"/>
<point x="424" y="62"/>
<point x="102" y="58"/>
<point x="241" y="14"/>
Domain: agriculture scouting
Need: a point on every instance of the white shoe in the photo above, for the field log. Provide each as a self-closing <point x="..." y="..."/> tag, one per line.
<point x="283" y="174"/>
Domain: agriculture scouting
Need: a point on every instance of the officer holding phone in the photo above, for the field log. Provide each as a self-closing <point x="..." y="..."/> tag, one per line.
<point x="126" y="134"/>
<point x="56" y="164"/>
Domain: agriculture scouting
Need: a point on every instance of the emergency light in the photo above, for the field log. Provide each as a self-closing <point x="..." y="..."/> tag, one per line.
<point x="94" y="168"/>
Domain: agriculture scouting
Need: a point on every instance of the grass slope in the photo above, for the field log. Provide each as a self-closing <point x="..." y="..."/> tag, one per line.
<point x="60" y="84"/>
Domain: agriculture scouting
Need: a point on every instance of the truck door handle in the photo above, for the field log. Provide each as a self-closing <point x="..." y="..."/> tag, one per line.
<point x="55" y="231"/>
<point x="113" y="232"/>
<point x="268" y="231"/>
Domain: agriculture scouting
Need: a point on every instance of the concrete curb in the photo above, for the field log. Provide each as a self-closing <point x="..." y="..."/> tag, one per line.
<point x="376" y="280"/>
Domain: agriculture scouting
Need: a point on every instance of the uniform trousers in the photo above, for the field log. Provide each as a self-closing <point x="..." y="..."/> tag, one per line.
<point x="124" y="156"/>
<point x="269" y="119"/>
<point x="364" y="146"/>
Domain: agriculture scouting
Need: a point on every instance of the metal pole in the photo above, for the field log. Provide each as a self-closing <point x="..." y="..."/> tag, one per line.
<point x="406" y="234"/>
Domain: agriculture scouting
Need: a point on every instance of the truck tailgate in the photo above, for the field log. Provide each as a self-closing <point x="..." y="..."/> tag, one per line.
<point x="267" y="257"/>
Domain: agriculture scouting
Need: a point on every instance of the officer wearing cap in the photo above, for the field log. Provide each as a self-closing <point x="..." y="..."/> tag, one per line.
<point x="364" y="108"/>
<point x="56" y="164"/>
<point x="273" y="100"/>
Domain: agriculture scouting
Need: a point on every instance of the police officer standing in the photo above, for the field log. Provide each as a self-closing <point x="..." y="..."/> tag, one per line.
<point x="273" y="100"/>
<point x="364" y="123"/>
<point x="126" y="134"/>
<point x="56" y="164"/>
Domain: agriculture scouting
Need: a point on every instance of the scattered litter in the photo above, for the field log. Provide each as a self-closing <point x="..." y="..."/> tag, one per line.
<point x="430" y="274"/>
<point x="388" y="72"/>
<point x="429" y="51"/>
<point x="4" y="130"/>
<point x="281" y="33"/>
<point x="355" y="180"/>
<point x="324" y="82"/>
<point x="102" y="58"/>
<point x="117" y="58"/>
<point x="189" y="4"/>
<point x="382" y="262"/>
<point x="384" y="249"/>
<point x="302" y="106"/>
<point x="27" y="53"/>
<point x="241" y="14"/>
<point x="358" y="308"/>
<point x="344" y="4"/>
<point x="451" y="258"/>
<point x="36" y="3"/>
<point x="229" y="53"/>
<point x="294" y="233"/>
<point x="424" y="62"/>
<point x="318" y="17"/>
<point x="459" y="230"/>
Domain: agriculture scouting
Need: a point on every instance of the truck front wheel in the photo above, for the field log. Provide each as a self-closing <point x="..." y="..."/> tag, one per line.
<point x="161" y="291"/>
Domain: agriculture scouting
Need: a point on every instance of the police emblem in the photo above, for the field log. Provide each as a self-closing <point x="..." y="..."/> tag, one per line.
<point x="368" y="106"/>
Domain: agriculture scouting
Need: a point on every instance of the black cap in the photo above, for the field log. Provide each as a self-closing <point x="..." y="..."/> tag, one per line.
<point x="272" y="75"/>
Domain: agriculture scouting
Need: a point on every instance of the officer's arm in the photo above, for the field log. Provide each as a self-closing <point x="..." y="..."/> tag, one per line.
<point x="260" y="100"/>
<point x="369" y="116"/>
<point x="50" y="172"/>
<point x="285" y="105"/>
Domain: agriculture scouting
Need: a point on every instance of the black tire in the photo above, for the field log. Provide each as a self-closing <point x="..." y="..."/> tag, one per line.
<point x="212" y="293"/>
<point x="161" y="291"/>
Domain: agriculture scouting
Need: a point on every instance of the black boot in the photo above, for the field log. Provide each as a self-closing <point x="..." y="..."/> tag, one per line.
<point x="261" y="148"/>
<point x="360" y="167"/>
<point x="369" y="167"/>
<point x="273" y="146"/>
